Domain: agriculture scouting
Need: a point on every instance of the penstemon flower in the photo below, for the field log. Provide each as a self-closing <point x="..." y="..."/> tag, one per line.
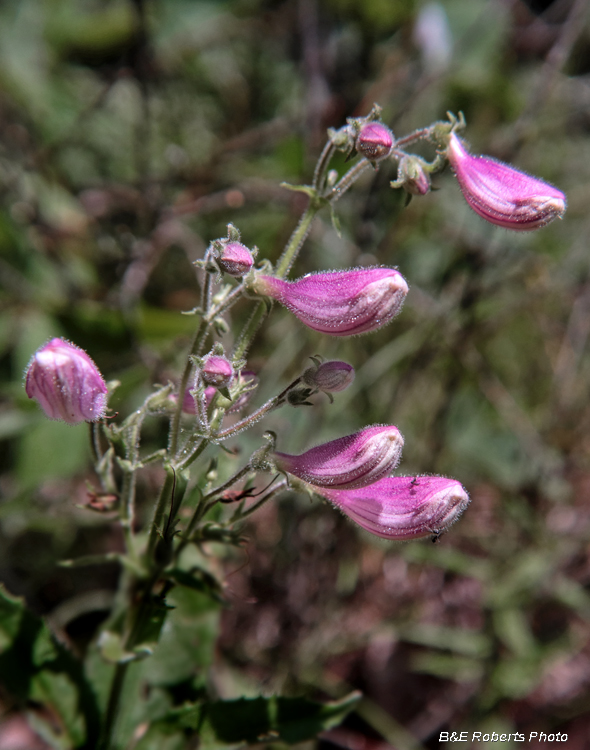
<point x="401" y="508"/>
<point x="501" y="194"/>
<point x="66" y="383"/>
<point x="340" y="303"/>
<point x="352" y="461"/>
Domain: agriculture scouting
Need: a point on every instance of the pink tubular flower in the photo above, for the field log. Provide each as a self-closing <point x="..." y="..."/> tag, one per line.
<point x="66" y="383"/>
<point x="340" y="303"/>
<point x="501" y="194"/>
<point x="374" y="141"/>
<point x="401" y="508"/>
<point x="348" y="462"/>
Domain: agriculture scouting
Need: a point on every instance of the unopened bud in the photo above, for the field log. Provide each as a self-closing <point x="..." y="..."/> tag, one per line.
<point x="66" y="383"/>
<point x="374" y="141"/>
<point x="412" y="176"/>
<point x="235" y="259"/>
<point x="245" y="377"/>
<point x="340" y="303"/>
<point x="329" y="377"/>
<point x="348" y="462"/>
<point x="217" y="371"/>
<point x="501" y="194"/>
<point x="402" y="508"/>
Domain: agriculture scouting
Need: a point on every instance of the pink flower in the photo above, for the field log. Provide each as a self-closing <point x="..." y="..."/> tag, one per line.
<point x="66" y="383"/>
<point x="501" y="194"/>
<point x="374" y="141"/>
<point x="352" y="461"/>
<point x="340" y="303"/>
<point x="402" y="507"/>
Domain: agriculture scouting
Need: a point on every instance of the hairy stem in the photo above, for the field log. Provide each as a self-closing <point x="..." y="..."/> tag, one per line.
<point x="297" y="239"/>
<point x="251" y="419"/>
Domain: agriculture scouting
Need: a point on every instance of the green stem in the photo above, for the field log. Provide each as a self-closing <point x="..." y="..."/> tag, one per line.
<point x="196" y="346"/>
<point x="319" y="174"/>
<point x="162" y="504"/>
<point x="95" y="441"/>
<point x="249" y="331"/>
<point x="417" y="135"/>
<point x="347" y="180"/>
<point x="136" y="619"/>
<point x="297" y="238"/>
<point x="113" y="706"/>
<point x="127" y="510"/>
<point x="200" y="445"/>
<point x="200" y="336"/>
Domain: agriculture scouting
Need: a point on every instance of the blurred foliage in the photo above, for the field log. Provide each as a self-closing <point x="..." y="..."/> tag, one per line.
<point x="131" y="133"/>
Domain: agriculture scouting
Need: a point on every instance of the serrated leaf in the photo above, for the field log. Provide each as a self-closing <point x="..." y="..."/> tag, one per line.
<point x="186" y="645"/>
<point x="252" y="720"/>
<point x="34" y="666"/>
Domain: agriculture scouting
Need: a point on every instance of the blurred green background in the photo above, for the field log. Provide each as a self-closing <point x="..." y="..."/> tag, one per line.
<point x="131" y="133"/>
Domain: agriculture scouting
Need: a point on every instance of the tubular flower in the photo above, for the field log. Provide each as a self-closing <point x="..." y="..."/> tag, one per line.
<point x="66" y="383"/>
<point x="402" y="508"/>
<point x="348" y="462"/>
<point x="340" y="303"/>
<point x="501" y="194"/>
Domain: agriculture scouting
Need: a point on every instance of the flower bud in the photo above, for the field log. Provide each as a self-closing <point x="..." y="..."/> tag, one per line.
<point x="412" y="176"/>
<point x="501" y="194"/>
<point x="348" y="462"/>
<point x="246" y="376"/>
<point x="217" y="371"/>
<point x="235" y="259"/>
<point x="329" y="377"/>
<point x="66" y="383"/>
<point x="374" y="141"/>
<point x="340" y="303"/>
<point x="402" y="508"/>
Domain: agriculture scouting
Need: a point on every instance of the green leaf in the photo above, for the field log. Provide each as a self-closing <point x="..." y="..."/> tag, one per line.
<point x="260" y="719"/>
<point x="198" y="580"/>
<point x="186" y="645"/>
<point x="36" y="667"/>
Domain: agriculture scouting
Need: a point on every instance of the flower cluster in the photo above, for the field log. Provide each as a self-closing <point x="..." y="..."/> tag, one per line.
<point x="354" y="472"/>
